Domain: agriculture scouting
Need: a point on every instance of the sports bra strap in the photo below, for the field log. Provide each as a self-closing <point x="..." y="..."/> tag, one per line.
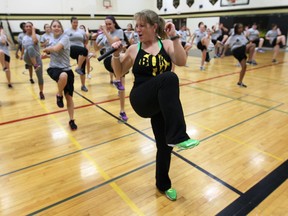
<point x="159" y="44"/>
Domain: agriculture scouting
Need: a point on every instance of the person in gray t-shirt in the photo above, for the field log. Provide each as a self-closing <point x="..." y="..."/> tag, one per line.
<point x="5" y="56"/>
<point x="78" y="50"/>
<point x="112" y="33"/>
<point x="239" y="46"/>
<point x="60" y="69"/>
<point x="202" y="40"/>
<point x="276" y="39"/>
<point x="32" y="56"/>
<point x="19" y="40"/>
<point x="46" y="38"/>
<point x="253" y="36"/>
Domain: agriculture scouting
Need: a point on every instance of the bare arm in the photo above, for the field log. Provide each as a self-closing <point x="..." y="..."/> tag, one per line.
<point x="121" y="64"/>
<point x="34" y="36"/>
<point x="2" y="34"/>
<point x="174" y="48"/>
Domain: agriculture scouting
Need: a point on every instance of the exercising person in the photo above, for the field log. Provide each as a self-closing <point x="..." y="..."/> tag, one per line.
<point x="112" y="32"/>
<point x="60" y="69"/>
<point x="276" y="39"/>
<point x="46" y="37"/>
<point x="32" y="56"/>
<point x="5" y="56"/>
<point x="253" y="36"/>
<point x="202" y="39"/>
<point x="78" y="51"/>
<point x="155" y="93"/>
<point x="239" y="46"/>
<point x="184" y="32"/>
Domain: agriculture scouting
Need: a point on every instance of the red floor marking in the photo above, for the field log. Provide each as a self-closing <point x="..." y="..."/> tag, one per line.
<point x="111" y="100"/>
<point x="55" y="112"/>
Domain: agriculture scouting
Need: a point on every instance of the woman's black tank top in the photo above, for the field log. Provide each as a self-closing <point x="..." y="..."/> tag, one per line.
<point x="147" y="66"/>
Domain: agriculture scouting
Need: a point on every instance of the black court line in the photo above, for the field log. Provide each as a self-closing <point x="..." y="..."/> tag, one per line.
<point x="255" y="195"/>
<point x="208" y="174"/>
<point x="92" y="188"/>
<point x="71" y="153"/>
<point x="62" y="156"/>
<point x="239" y="123"/>
<point x="176" y="154"/>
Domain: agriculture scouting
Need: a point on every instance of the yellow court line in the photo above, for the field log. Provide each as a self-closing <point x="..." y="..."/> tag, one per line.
<point x="240" y="142"/>
<point x="106" y="177"/>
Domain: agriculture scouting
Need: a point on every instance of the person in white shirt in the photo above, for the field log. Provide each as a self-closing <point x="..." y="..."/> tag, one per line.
<point x="184" y="32"/>
<point x="276" y="39"/>
<point x="46" y="38"/>
<point x="253" y="36"/>
<point x="5" y="55"/>
<point x="239" y="46"/>
<point x="202" y="39"/>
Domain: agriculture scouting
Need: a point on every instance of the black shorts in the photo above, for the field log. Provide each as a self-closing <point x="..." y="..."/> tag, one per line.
<point x="108" y="65"/>
<point x="256" y="42"/>
<point x="200" y="46"/>
<point x="240" y="53"/>
<point x="54" y="73"/>
<point x="75" y="51"/>
<point x="220" y="38"/>
<point x="7" y="58"/>
<point x="214" y="41"/>
<point x="183" y="43"/>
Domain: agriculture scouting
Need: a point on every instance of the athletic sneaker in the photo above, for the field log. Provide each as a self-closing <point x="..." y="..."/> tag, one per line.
<point x="188" y="144"/>
<point x="254" y="62"/>
<point x="202" y="68"/>
<point x="10" y="85"/>
<point x="274" y="61"/>
<point x="90" y="55"/>
<point x="79" y="71"/>
<point x="89" y="76"/>
<point x="31" y="81"/>
<point x="72" y="125"/>
<point x="83" y="88"/>
<point x="249" y="62"/>
<point x="5" y="69"/>
<point x="41" y="95"/>
<point x="59" y="101"/>
<point x="241" y="85"/>
<point x="123" y="116"/>
<point x="118" y="85"/>
<point x="37" y="67"/>
<point x="171" y="194"/>
<point x="260" y="50"/>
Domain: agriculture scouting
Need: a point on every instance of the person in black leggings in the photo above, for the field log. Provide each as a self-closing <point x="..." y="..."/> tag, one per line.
<point x="155" y="93"/>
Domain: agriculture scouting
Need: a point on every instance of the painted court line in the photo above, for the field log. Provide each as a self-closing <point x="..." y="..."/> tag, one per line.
<point x="63" y="156"/>
<point x="258" y="193"/>
<point x="110" y="181"/>
<point x="101" y="171"/>
<point x="107" y="101"/>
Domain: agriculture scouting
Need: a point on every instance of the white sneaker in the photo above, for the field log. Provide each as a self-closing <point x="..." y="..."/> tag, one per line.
<point x="202" y="68"/>
<point x="90" y="55"/>
<point x="89" y="76"/>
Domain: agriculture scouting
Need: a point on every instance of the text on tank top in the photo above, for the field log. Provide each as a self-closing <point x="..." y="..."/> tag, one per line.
<point x="147" y="66"/>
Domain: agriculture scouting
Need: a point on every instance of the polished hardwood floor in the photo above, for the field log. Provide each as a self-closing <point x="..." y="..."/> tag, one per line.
<point x="108" y="168"/>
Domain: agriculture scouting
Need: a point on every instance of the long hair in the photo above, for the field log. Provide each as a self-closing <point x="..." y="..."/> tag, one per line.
<point x="236" y="28"/>
<point x="118" y="27"/>
<point x="150" y="17"/>
<point x="56" y="20"/>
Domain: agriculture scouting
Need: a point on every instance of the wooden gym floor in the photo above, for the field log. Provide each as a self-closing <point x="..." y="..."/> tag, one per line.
<point x="108" y="168"/>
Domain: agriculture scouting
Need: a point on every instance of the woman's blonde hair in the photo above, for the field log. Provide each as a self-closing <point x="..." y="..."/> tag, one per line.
<point x="150" y="17"/>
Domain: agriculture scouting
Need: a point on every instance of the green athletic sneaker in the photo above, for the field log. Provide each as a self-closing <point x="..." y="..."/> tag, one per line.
<point x="171" y="194"/>
<point x="188" y="144"/>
